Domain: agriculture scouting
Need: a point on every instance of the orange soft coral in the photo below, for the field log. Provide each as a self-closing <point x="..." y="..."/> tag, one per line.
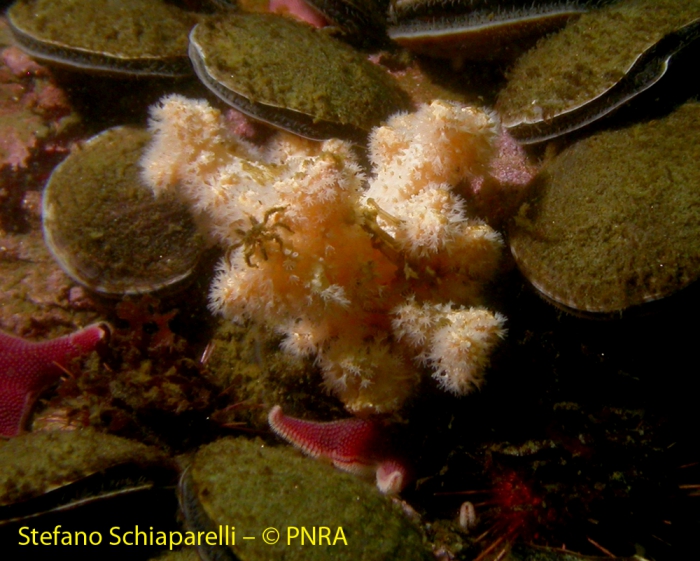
<point x="328" y="262"/>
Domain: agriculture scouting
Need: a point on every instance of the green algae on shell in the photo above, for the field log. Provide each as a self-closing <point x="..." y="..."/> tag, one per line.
<point x="615" y="221"/>
<point x="594" y="65"/>
<point x="477" y="29"/>
<point x="107" y="229"/>
<point x="48" y="471"/>
<point x="292" y="76"/>
<point x="252" y="486"/>
<point x="129" y="37"/>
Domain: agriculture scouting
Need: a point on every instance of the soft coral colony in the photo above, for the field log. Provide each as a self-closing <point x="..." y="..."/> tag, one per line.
<point x="376" y="278"/>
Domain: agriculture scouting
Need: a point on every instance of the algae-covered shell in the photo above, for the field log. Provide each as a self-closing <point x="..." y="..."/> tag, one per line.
<point x="594" y="65"/>
<point x="131" y="37"/>
<point x="262" y="490"/>
<point x="107" y="229"/>
<point x="292" y="76"/>
<point x="45" y="471"/>
<point x="615" y="219"/>
<point x="477" y="29"/>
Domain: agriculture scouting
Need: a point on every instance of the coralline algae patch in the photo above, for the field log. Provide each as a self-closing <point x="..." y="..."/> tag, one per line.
<point x="614" y="222"/>
<point x="37" y="123"/>
<point x="33" y="110"/>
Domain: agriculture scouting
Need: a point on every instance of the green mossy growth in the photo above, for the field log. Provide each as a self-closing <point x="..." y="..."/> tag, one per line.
<point x="35" y="463"/>
<point x="616" y="217"/>
<point x="253" y="486"/>
<point x="121" y="28"/>
<point x="281" y="63"/>
<point x="248" y="365"/>
<point x="107" y="229"/>
<point x="590" y="55"/>
<point x="184" y="554"/>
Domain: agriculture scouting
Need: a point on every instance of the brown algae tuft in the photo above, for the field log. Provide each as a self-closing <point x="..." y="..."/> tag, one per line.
<point x="616" y="218"/>
<point x="140" y="37"/>
<point x="292" y="76"/>
<point x="594" y="65"/>
<point x="106" y="228"/>
<point x="254" y="486"/>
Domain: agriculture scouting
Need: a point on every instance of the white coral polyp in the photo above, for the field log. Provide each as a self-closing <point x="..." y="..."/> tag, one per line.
<point x="455" y="342"/>
<point x="460" y="350"/>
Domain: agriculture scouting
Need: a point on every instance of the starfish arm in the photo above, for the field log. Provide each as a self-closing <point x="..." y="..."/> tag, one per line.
<point x="342" y="441"/>
<point x="353" y="445"/>
<point x="14" y="410"/>
<point x="64" y="349"/>
<point x="27" y="368"/>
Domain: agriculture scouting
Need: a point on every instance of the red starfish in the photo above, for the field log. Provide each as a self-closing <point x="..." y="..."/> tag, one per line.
<point x="27" y="368"/>
<point x="353" y="445"/>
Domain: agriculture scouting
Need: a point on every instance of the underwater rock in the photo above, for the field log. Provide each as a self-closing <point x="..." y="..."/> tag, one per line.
<point x="254" y="487"/>
<point x="615" y="219"/>
<point x="319" y="89"/>
<point x="126" y="37"/>
<point x="594" y="65"/>
<point x="106" y="228"/>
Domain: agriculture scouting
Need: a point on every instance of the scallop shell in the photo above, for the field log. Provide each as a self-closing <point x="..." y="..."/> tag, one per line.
<point x="293" y="77"/>
<point x="124" y="37"/>
<point x="107" y="229"/>
<point x="595" y="65"/>
<point x="615" y="218"/>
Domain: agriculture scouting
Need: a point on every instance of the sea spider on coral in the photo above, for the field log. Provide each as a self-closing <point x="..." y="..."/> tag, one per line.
<point x="258" y="235"/>
<point x="381" y="239"/>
